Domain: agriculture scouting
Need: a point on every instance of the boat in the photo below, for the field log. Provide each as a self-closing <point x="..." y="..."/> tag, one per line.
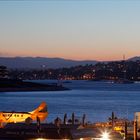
<point x="123" y="81"/>
<point x="67" y="82"/>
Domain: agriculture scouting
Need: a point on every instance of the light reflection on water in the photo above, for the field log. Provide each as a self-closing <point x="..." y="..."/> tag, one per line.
<point x="96" y="99"/>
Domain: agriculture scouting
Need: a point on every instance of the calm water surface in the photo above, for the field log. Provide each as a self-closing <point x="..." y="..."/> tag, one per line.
<point x="96" y="99"/>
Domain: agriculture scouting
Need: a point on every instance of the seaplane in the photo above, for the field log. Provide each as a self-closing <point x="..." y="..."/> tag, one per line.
<point x="40" y="113"/>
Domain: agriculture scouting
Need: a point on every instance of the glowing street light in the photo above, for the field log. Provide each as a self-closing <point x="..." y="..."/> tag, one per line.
<point x="105" y="136"/>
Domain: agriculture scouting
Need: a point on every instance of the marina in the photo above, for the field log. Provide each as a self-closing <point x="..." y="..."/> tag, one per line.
<point x="51" y="131"/>
<point x="90" y="98"/>
<point x="69" y="70"/>
<point x="115" y="129"/>
<point x="95" y="99"/>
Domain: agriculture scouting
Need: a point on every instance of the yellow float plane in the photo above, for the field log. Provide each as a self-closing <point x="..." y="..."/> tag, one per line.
<point x="15" y="117"/>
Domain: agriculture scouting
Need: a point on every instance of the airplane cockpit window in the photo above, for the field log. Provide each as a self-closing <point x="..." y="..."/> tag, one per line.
<point x="5" y="115"/>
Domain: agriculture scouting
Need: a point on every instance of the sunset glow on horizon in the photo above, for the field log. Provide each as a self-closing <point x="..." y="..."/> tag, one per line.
<point x="79" y="30"/>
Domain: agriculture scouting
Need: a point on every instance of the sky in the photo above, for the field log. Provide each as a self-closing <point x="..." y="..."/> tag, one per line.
<point x="71" y="29"/>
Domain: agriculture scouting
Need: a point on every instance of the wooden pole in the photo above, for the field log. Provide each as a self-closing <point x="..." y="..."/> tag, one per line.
<point x="38" y="124"/>
<point x="83" y="119"/>
<point x="135" y="129"/>
<point x="125" y="130"/>
<point x="65" y="118"/>
<point x="112" y="117"/>
<point x="73" y="118"/>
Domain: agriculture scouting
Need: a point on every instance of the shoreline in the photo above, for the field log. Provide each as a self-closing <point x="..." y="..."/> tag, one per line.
<point x="8" y="85"/>
<point x="31" y="89"/>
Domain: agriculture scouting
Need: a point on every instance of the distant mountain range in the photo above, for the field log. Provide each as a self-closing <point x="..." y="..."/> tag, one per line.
<point x="40" y="62"/>
<point x="134" y="58"/>
<point x="44" y="62"/>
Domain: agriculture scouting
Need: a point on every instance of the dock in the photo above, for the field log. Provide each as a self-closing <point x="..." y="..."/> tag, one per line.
<point x="47" y="131"/>
<point x="24" y="131"/>
<point x="113" y="129"/>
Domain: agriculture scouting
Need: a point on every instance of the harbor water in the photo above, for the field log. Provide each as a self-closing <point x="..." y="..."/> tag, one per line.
<point x="95" y="99"/>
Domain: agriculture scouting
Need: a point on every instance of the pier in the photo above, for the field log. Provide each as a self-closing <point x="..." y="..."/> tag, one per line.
<point x="66" y="129"/>
<point x="72" y="128"/>
<point x="51" y="131"/>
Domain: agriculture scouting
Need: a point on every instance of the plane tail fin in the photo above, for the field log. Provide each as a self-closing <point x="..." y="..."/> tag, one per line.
<point x="41" y="112"/>
<point x="42" y="108"/>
